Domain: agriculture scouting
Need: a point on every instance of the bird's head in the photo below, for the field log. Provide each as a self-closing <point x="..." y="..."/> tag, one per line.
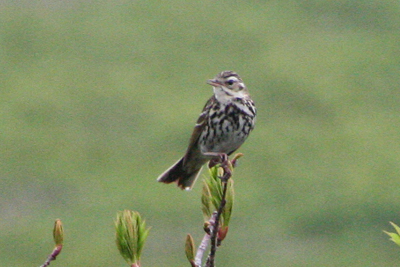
<point x="228" y="84"/>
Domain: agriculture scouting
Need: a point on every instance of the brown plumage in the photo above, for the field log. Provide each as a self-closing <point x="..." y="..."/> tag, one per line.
<point x="224" y="124"/>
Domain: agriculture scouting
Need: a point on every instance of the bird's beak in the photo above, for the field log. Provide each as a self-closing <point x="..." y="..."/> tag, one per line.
<point x="214" y="83"/>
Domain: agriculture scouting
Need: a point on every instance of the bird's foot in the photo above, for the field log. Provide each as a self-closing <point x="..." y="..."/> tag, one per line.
<point x="225" y="164"/>
<point x="217" y="158"/>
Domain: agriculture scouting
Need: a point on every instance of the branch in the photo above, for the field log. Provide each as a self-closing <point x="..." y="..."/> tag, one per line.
<point x="204" y="243"/>
<point x="215" y="225"/>
<point x="58" y="236"/>
<point x="217" y="202"/>
<point x="52" y="256"/>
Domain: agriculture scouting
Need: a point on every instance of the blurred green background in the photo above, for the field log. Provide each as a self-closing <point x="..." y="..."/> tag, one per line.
<point x="99" y="97"/>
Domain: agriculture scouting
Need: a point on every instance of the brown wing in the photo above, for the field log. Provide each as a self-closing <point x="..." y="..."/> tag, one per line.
<point x="193" y="148"/>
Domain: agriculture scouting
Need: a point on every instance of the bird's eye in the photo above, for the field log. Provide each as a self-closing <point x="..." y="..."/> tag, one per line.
<point x="230" y="82"/>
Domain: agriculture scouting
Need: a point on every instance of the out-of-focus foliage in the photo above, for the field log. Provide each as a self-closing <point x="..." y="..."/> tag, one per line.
<point x="97" y="98"/>
<point x="395" y="237"/>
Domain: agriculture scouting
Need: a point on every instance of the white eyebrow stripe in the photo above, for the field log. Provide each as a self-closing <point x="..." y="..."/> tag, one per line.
<point x="232" y="78"/>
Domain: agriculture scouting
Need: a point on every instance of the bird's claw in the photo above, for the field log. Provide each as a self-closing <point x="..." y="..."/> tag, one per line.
<point x="225" y="164"/>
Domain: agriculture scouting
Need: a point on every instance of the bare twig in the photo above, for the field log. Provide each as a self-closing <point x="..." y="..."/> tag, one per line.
<point x="204" y="243"/>
<point x="215" y="226"/>
<point x="52" y="256"/>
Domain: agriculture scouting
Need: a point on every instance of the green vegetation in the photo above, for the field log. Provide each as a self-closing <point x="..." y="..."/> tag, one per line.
<point x="395" y="237"/>
<point x="131" y="234"/>
<point x="99" y="97"/>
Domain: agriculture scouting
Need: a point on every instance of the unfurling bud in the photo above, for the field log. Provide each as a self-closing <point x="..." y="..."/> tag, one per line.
<point x="58" y="233"/>
<point x="206" y="227"/>
<point x="212" y="194"/>
<point x="395" y="237"/>
<point x="220" y="172"/>
<point x="189" y="249"/>
<point x="131" y="233"/>
<point x="58" y="237"/>
<point x="222" y="232"/>
<point x="235" y="158"/>
<point x="206" y="204"/>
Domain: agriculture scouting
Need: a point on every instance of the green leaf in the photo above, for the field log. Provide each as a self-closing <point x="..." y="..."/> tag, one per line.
<point x="212" y="192"/>
<point x="397" y="228"/>
<point x="131" y="234"/>
<point x="206" y="201"/>
<point x="393" y="236"/>
<point x="189" y="248"/>
<point x="227" y="212"/>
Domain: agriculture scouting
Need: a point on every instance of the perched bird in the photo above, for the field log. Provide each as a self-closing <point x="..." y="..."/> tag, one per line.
<point x="224" y="124"/>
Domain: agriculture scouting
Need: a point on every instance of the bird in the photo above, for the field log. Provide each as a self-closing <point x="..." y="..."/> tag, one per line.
<point x="224" y="124"/>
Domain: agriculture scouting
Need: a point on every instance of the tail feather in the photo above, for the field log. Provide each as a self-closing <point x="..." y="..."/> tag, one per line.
<point x="180" y="174"/>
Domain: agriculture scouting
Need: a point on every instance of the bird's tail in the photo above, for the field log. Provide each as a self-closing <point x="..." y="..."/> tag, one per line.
<point x="183" y="175"/>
